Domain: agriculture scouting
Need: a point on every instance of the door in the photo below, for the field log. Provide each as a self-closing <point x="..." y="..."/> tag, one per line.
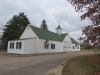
<point x="46" y="47"/>
<point x="69" y="46"/>
<point x="65" y="46"/>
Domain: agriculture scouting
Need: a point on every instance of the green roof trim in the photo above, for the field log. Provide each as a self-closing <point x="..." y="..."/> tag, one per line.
<point x="63" y="35"/>
<point x="73" y="41"/>
<point x="58" y="27"/>
<point x="44" y="34"/>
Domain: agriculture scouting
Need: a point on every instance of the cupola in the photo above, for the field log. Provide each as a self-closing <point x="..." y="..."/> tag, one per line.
<point x="59" y="30"/>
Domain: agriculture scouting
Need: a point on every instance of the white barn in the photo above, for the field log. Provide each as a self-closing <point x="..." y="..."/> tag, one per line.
<point x="35" y="40"/>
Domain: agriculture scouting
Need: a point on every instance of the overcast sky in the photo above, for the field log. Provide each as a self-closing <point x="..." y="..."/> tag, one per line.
<point x="52" y="11"/>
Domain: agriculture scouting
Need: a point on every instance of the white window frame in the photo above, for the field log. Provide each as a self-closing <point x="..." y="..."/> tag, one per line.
<point x="46" y="46"/>
<point x="18" y="45"/>
<point x="11" y="45"/>
<point x="52" y="46"/>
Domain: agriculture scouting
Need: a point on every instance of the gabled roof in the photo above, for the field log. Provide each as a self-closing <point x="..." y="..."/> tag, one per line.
<point x="47" y="35"/>
<point x="63" y="35"/>
<point x="58" y="27"/>
<point x="73" y="41"/>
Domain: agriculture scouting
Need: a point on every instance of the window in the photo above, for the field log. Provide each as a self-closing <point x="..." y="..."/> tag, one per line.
<point x="46" y="46"/>
<point x="12" y="45"/>
<point x="18" y="45"/>
<point x="73" y="47"/>
<point x="52" y="46"/>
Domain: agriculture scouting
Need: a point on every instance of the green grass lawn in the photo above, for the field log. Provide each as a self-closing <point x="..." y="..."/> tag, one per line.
<point x="82" y="65"/>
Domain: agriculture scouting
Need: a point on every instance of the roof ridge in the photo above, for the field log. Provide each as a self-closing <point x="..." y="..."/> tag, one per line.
<point x="44" y="34"/>
<point x="44" y="30"/>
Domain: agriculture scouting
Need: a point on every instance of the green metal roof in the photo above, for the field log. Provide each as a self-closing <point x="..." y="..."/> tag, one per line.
<point x="73" y="41"/>
<point x="48" y="35"/>
<point x="63" y="35"/>
<point x="44" y="34"/>
<point x="58" y="27"/>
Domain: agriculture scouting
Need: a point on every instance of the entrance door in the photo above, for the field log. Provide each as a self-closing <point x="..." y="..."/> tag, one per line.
<point x="65" y="46"/>
<point x="46" y="46"/>
<point x="69" y="46"/>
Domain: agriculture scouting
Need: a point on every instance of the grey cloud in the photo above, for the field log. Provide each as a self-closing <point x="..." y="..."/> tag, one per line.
<point x="52" y="11"/>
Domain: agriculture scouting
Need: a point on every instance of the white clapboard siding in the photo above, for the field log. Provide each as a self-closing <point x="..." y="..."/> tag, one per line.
<point x="76" y="48"/>
<point x="67" y="43"/>
<point x="28" y="33"/>
<point x="73" y="45"/>
<point x="30" y="46"/>
<point x="16" y="51"/>
<point x="67" y="38"/>
<point x="58" y="47"/>
<point x="41" y="48"/>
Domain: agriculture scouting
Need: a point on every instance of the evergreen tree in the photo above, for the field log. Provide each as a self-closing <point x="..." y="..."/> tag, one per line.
<point x="44" y="25"/>
<point x="14" y="28"/>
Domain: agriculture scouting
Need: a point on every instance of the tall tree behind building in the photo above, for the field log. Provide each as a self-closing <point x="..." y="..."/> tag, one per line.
<point x="91" y="9"/>
<point x="44" y="25"/>
<point x="14" y="28"/>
